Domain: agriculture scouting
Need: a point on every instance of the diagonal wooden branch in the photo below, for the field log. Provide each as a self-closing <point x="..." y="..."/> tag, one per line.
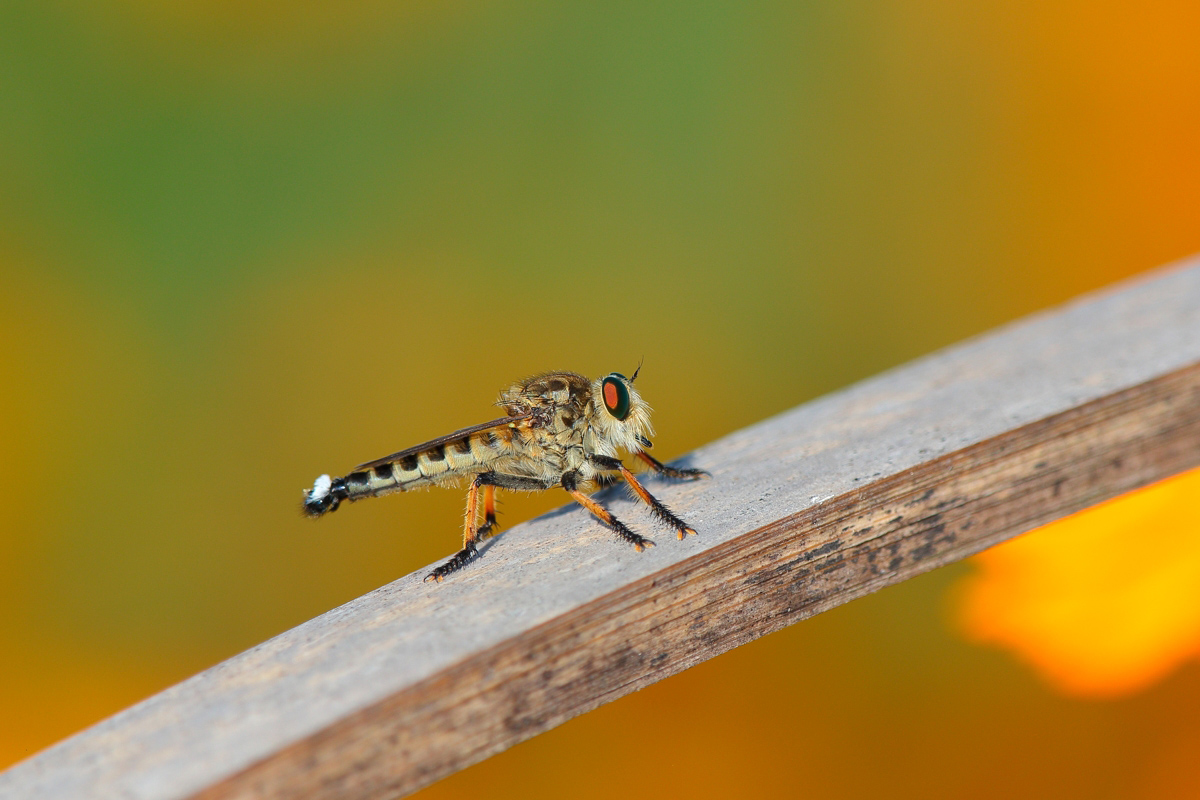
<point x="866" y="487"/>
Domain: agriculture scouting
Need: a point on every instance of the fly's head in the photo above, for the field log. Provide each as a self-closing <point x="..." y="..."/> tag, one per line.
<point x="621" y="417"/>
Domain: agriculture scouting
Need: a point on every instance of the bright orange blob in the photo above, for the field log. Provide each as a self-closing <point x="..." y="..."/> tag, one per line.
<point x="1101" y="603"/>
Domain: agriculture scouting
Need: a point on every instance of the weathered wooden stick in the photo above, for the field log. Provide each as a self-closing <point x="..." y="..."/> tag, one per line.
<point x="920" y="466"/>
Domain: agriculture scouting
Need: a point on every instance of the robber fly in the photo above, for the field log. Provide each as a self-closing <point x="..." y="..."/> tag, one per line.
<point x="559" y="429"/>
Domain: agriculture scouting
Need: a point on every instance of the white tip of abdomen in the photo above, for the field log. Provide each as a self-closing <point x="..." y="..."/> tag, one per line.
<point x="321" y="488"/>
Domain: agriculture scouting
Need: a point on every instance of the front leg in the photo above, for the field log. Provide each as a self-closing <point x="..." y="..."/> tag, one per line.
<point x="671" y="472"/>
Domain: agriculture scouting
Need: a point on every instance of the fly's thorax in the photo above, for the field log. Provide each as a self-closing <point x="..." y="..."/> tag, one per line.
<point x="558" y="407"/>
<point x="619" y="416"/>
<point x="551" y="390"/>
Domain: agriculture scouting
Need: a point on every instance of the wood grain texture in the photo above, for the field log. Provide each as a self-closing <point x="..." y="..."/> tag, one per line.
<point x="920" y="466"/>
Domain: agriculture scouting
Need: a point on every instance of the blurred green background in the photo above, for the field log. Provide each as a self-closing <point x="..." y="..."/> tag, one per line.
<point x="245" y="243"/>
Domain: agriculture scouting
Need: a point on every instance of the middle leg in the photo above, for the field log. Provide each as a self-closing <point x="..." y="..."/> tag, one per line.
<point x="660" y="511"/>
<point x="570" y="482"/>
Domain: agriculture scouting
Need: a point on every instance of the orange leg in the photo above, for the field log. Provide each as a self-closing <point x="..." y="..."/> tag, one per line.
<point x="489" y="513"/>
<point x="470" y="534"/>
<point x="661" y="512"/>
<point x="601" y="513"/>
<point x="472" y="515"/>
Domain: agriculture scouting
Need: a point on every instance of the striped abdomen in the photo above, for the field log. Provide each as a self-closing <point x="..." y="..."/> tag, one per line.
<point x="440" y="462"/>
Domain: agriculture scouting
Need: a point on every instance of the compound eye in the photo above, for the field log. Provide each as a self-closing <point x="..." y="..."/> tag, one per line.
<point x="616" y="395"/>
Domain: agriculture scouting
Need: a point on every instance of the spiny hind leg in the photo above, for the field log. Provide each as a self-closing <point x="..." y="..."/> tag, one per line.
<point x="660" y="511"/>
<point x="570" y="483"/>
<point x="489" y="525"/>
<point x="489" y="481"/>
<point x="470" y="534"/>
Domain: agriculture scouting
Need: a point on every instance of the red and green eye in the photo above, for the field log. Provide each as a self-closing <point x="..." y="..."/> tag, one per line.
<point x="616" y="395"/>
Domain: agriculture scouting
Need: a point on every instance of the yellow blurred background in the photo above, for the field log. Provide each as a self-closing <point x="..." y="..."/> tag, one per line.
<point x="245" y="243"/>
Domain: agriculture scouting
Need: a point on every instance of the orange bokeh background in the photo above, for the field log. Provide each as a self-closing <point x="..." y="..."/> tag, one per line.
<point x="1102" y="603"/>
<point x="245" y="243"/>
